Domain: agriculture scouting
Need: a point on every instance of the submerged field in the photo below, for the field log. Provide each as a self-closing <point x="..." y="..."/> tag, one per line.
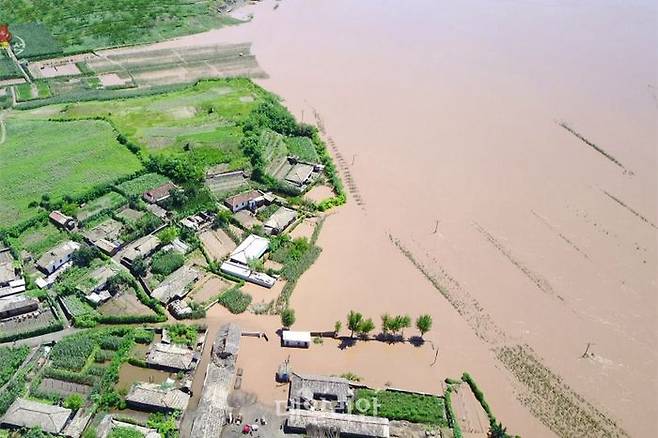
<point x="85" y="24"/>
<point x="41" y="157"/>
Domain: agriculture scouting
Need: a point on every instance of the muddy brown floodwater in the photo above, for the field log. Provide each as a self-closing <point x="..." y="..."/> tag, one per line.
<point x="507" y="148"/>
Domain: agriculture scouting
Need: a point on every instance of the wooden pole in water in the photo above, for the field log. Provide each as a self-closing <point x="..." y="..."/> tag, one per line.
<point x="586" y="353"/>
<point x="436" y="227"/>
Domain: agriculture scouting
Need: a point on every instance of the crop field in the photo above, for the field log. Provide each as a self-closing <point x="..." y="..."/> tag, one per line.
<point x="39" y="239"/>
<point x="202" y="120"/>
<point x="394" y="405"/>
<point x="60" y="159"/>
<point x="137" y="186"/>
<point x="149" y="67"/>
<point x="8" y="69"/>
<point x="36" y="90"/>
<point x="10" y="360"/>
<point x="108" y="201"/>
<point x="90" y="24"/>
<point x="71" y="353"/>
<point x="303" y="148"/>
<point x="76" y="306"/>
<point x="125" y="303"/>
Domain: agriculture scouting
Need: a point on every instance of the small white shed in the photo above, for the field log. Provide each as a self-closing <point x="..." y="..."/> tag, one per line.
<point x="296" y="339"/>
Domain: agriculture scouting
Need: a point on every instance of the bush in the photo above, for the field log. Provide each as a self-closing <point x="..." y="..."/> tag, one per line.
<point x="164" y="263"/>
<point x="182" y="334"/>
<point x="10" y="360"/>
<point x="235" y="300"/>
<point x="73" y="401"/>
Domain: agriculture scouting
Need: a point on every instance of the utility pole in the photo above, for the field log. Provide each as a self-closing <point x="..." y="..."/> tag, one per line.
<point x="586" y="354"/>
<point x="436" y="227"/>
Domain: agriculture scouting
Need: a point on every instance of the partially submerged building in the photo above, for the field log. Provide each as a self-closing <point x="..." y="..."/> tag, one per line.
<point x="247" y="274"/>
<point x="290" y="338"/>
<point x="17" y="305"/>
<point x="347" y="425"/>
<point x="57" y="256"/>
<point x="213" y="405"/>
<point x="280" y="220"/>
<point x="251" y="200"/>
<point x="30" y="413"/>
<point x="157" y="397"/>
<point x="177" y="284"/>
<point x="142" y="247"/>
<point x="62" y="220"/>
<point x="160" y="193"/>
<point x="309" y="391"/>
<point x="171" y="357"/>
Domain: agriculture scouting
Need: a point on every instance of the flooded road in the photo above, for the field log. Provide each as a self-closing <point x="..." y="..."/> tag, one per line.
<point x="451" y="120"/>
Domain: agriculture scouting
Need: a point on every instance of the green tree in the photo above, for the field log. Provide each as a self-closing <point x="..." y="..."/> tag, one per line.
<point x="353" y="321"/>
<point x="84" y="256"/>
<point x="74" y="402"/>
<point x="424" y="324"/>
<point x="497" y="430"/>
<point x="365" y="327"/>
<point x="288" y="317"/>
<point x="337" y="326"/>
<point x="168" y="235"/>
<point x="222" y="219"/>
<point x="386" y="323"/>
<point x="139" y="266"/>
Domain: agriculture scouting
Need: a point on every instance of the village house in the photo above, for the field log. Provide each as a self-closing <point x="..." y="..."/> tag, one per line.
<point x="105" y="236"/>
<point x="290" y="338"/>
<point x="142" y="247"/>
<point x="159" y="193"/>
<point x="308" y="391"/>
<point x="198" y="222"/>
<point x="251" y="200"/>
<point x="156" y="397"/>
<point x="176" y="285"/>
<point x="347" y="425"/>
<point x="171" y="357"/>
<point x="97" y="279"/>
<point x="30" y="413"/>
<point x="252" y="248"/>
<point x="57" y="256"/>
<point x="158" y="211"/>
<point x="17" y="305"/>
<point x="180" y="309"/>
<point x="280" y="220"/>
<point x="62" y="220"/>
<point x="245" y="273"/>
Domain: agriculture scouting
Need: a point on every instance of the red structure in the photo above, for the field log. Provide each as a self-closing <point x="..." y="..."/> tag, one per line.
<point x="5" y="35"/>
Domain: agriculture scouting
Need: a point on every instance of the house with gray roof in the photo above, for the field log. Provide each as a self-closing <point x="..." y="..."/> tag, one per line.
<point x="171" y="357"/>
<point x="142" y="247"/>
<point x="309" y="390"/>
<point x="280" y="220"/>
<point x="157" y="397"/>
<point x="303" y="421"/>
<point x="17" y="305"/>
<point x="30" y="413"/>
<point x="57" y="256"/>
<point x="176" y="285"/>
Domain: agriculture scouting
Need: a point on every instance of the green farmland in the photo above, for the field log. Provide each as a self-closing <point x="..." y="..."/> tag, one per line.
<point x="90" y="24"/>
<point x="37" y="240"/>
<point x="57" y="159"/>
<point x="203" y="119"/>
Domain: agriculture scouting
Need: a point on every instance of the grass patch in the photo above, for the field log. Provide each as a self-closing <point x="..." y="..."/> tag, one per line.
<point x="39" y="42"/>
<point x="166" y="262"/>
<point x="235" y="300"/>
<point x="108" y="201"/>
<point x="37" y="240"/>
<point x="59" y="159"/>
<point x="394" y="405"/>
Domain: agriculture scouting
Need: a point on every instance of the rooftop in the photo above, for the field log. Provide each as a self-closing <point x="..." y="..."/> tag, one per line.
<point x="296" y="336"/>
<point x="310" y="387"/>
<point x="252" y="248"/>
<point x="141" y="247"/>
<point x="299" y="174"/>
<point x="348" y="424"/>
<point x="157" y="396"/>
<point x="29" y="413"/>
<point x="176" y="284"/>
<point x="241" y="198"/>
<point x="159" y="193"/>
<point x="59" y="217"/>
<point x="227" y="342"/>
<point x="170" y="356"/>
<point x="61" y="251"/>
<point x="16" y="302"/>
<point x="281" y="219"/>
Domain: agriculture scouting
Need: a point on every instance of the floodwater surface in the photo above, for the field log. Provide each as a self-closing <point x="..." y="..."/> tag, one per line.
<point x="509" y="149"/>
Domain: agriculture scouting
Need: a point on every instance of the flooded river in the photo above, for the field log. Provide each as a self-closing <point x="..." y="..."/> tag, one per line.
<point x="509" y="149"/>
